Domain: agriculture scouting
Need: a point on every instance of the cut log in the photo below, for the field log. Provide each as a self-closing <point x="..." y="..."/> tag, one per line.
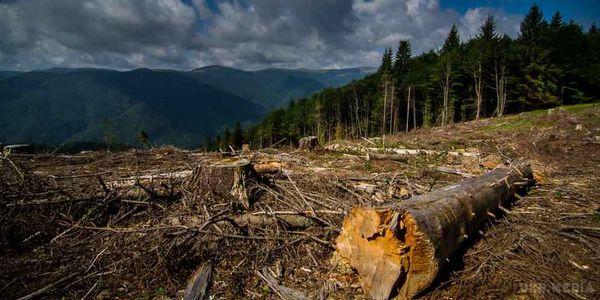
<point x="268" y="167"/>
<point x="309" y="143"/>
<point x="229" y="176"/>
<point x="403" y="151"/>
<point x="296" y="221"/>
<point x="386" y="156"/>
<point x="399" y="250"/>
<point x="281" y="290"/>
<point x="199" y="284"/>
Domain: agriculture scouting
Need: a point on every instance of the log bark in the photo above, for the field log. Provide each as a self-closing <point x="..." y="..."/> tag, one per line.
<point x="399" y="250"/>
<point x="402" y="151"/>
<point x="231" y="176"/>
<point x="268" y="167"/>
<point x="199" y="283"/>
<point x="309" y="143"/>
<point x="296" y="221"/>
<point x="392" y="156"/>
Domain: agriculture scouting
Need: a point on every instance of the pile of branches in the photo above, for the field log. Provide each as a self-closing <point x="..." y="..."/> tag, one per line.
<point x="83" y="233"/>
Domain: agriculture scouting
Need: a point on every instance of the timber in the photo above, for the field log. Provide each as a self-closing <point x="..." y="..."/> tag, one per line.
<point x="386" y="156"/>
<point x="398" y="250"/>
<point x="308" y="143"/>
<point x="199" y="284"/>
<point x="230" y="176"/>
<point x="292" y="221"/>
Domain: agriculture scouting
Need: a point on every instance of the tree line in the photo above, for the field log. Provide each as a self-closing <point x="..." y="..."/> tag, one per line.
<point x="550" y="63"/>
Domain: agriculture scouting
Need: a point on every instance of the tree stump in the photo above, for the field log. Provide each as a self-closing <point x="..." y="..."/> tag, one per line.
<point x="229" y="177"/>
<point x="399" y="250"/>
<point x="309" y="143"/>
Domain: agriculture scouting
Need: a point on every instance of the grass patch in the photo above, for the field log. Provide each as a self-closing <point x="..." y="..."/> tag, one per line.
<point x="521" y="122"/>
<point x="580" y="108"/>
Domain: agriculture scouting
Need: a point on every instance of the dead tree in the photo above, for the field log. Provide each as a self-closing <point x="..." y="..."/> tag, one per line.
<point x="408" y="108"/>
<point x="477" y="78"/>
<point x="399" y="250"/>
<point x="446" y="71"/>
<point x="501" y="82"/>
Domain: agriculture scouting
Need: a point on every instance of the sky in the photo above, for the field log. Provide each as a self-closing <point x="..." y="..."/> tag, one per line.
<point x="245" y="34"/>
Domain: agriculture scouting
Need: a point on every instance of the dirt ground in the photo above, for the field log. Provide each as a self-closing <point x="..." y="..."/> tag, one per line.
<point x="137" y="224"/>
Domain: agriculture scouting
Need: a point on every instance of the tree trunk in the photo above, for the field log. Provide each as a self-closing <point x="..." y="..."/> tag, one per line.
<point x="383" y="119"/>
<point x="414" y="110"/>
<point x="199" y="283"/>
<point x="290" y="221"/>
<point x="399" y="250"/>
<point x="392" y="109"/>
<point x="385" y="156"/>
<point x="408" y="108"/>
<point x="446" y="94"/>
<point x="478" y="91"/>
<point x="309" y="143"/>
<point x="234" y="177"/>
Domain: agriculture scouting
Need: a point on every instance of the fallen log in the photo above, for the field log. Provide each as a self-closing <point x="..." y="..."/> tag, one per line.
<point x="386" y="156"/>
<point x="199" y="283"/>
<point x="398" y="151"/>
<point x="402" y="151"/>
<point x="282" y="291"/>
<point x="293" y="221"/>
<point x="399" y="250"/>
<point x="268" y="167"/>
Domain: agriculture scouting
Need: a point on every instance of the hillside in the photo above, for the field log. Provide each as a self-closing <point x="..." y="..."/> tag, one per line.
<point x="65" y="105"/>
<point x="142" y="222"/>
<point x="274" y="88"/>
<point x="76" y="106"/>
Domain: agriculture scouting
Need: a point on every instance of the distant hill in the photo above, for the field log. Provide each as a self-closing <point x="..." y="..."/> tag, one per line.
<point x="272" y="88"/>
<point x="174" y="107"/>
<point x="6" y="74"/>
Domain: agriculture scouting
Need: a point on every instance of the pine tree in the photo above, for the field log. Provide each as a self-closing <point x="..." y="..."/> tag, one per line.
<point x="386" y="61"/>
<point x="402" y="57"/>
<point x="488" y="30"/>
<point x="452" y="41"/>
<point x="532" y="26"/>
<point x="538" y="88"/>
<point x="557" y="21"/>
<point x="238" y="136"/>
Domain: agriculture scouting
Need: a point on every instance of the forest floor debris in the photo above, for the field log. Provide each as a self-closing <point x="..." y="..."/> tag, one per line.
<point x="134" y="225"/>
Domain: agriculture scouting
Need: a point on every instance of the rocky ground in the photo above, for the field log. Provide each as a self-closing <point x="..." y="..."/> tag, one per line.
<point x="138" y="224"/>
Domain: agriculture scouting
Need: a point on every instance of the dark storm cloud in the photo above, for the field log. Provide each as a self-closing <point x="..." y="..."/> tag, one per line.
<point x="239" y="33"/>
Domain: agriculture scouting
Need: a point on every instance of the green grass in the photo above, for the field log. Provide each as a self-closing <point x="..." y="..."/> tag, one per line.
<point x="521" y="122"/>
<point x="526" y="120"/>
<point x="579" y="108"/>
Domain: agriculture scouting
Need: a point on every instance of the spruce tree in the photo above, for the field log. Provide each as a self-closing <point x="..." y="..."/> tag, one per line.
<point x="238" y="136"/>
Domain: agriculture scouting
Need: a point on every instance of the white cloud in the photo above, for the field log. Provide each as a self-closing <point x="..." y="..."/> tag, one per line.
<point x="239" y="33"/>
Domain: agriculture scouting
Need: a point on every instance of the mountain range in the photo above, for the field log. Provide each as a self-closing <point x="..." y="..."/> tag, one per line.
<point x="63" y="105"/>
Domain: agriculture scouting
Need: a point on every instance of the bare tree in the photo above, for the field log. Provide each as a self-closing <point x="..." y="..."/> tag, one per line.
<point x="501" y="82"/>
<point x="476" y="73"/>
<point x="408" y="108"/>
<point x="446" y="70"/>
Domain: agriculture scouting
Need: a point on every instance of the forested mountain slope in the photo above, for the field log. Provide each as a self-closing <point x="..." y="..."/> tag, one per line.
<point x="551" y="62"/>
<point x="63" y="105"/>
<point x="114" y="107"/>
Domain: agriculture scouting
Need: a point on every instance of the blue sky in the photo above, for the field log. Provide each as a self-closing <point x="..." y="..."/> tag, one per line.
<point x="584" y="12"/>
<point x="246" y="34"/>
